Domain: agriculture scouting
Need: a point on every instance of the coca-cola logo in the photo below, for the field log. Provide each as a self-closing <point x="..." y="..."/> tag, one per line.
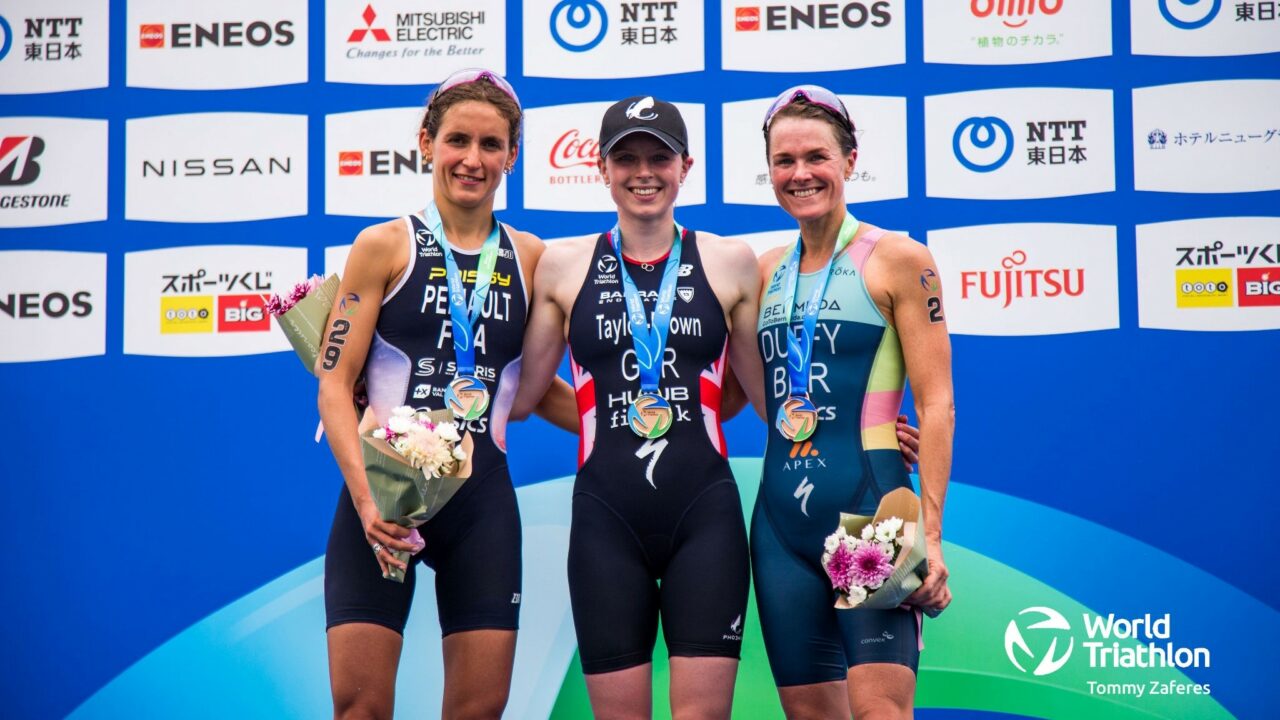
<point x="572" y="150"/>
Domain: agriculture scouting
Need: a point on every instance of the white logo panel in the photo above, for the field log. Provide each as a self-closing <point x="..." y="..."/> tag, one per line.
<point x="52" y="305"/>
<point x="53" y="171"/>
<point x="408" y="42"/>
<point x="1019" y="143"/>
<point x="561" y="151"/>
<point x="612" y="39"/>
<point x="215" y="167"/>
<point x="1207" y="137"/>
<point x="207" y="301"/>
<point x="53" y="45"/>
<point x="880" y="172"/>
<point x="216" y="45"/>
<point x="812" y="37"/>
<point x="373" y="167"/>
<point x="1012" y="32"/>
<point x="1028" y="278"/>
<point x="335" y="259"/>
<point x="1204" y="28"/>
<point x="763" y="242"/>
<point x="1209" y="274"/>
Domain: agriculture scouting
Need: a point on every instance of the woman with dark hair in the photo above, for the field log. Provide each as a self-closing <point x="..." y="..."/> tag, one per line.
<point x="400" y="318"/>
<point x="847" y="314"/>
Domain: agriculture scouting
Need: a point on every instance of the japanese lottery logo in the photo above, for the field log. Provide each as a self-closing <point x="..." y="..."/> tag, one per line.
<point x="1184" y="24"/>
<point x="578" y="25"/>
<point x="978" y="140"/>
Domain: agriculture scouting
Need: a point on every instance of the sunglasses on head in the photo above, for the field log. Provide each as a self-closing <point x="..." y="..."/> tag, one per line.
<point x="819" y="97"/>
<point x="470" y="75"/>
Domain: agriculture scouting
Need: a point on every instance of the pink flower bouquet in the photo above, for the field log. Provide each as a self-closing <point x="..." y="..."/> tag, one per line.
<point x="877" y="562"/>
<point x="303" y="314"/>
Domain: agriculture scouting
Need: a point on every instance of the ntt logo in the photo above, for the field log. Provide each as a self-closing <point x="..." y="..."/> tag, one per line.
<point x="982" y="144"/>
<point x="7" y="41"/>
<point x="1187" y="24"/>
<point x="578" y="25"/>
<point x="1050" y="622"/>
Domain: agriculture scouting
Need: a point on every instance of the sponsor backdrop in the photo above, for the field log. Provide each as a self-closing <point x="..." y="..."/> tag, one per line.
<point x="1099" y="183"/>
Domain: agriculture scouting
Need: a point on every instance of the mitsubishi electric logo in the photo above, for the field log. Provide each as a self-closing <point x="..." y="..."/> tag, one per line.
<point x="1052" y="625"/>
<point x="983" y="144"/>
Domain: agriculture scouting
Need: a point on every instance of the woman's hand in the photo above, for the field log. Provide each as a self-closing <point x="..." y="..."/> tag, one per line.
<point x="384" y="537"/>
<point x="908" y="442"/>
<point x="933" y="596"/>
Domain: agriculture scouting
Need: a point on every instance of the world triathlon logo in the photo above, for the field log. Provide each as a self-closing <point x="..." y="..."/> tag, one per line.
<point x="578" y="25"/>
<point x="1187" y="24"/>
<point x="1051" y="624"/>
<point x="7" y="42"/>
<point x="982" y="144"/>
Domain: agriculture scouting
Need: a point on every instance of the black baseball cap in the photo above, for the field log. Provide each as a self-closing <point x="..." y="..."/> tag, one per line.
<point x="643" y="114"/>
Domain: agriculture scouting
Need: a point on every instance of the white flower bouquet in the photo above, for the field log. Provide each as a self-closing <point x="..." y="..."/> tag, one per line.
<point x="415" y="463"/>
<point x="877" y="562"/>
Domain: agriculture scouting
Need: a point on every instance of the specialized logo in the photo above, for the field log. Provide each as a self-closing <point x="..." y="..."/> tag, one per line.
<point x="982" y="144"/>
<point x="1013" y="281"/>
<point x="1190" y="24"/>
<point x="642" y="110"/>
<point x="803" y="491"/>
<point x="1014" y="13"/>
<point x="607" y="264"/>
<point x="18" y="155"/>
<point x="1258" y="287"/>
<point x="746" y="19"/>
<point x="377" y="33"/>
<point x="579" y="25"/>
<point x="243" y="313"/>
<point x="1052" y="624"/>
<point x="651" y="449"/>
<point x="1204" y="287"/>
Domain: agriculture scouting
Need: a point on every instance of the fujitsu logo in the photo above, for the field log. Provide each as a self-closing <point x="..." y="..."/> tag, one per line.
<point x="1014" y="281"/>
<point x="18" y="155"/>
<point x="572" y="150"/>
<point x="1014" y="13"/>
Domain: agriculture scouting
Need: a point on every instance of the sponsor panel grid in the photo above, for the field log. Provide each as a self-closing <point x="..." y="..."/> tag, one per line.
<point x="1098" y="183"/>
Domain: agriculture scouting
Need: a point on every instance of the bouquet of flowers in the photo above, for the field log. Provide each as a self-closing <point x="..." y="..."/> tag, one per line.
<point x="415" y="463"/>
<point x="877" y="562"/>
<point x="302" y="316"/>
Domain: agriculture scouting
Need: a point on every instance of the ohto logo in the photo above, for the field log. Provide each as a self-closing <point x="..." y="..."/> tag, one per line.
<point x="982" y="144"/>
<point x="746" y="18"/>
<point x="379" y="34"/>
<point x="573" y="150"/>
<point x="151" y="36"/>
<point x="579" y="25"/>
<point x="1190" y="14"/>
<point x="243" y="313"/>
<point x="1013" y="281"/>
<point x="1014" y="13"/>
<point x="1259" y="286"/>
<point x="350" y="163"/>
<point x="18" y="155"/>
<point x="1053" y="625"/>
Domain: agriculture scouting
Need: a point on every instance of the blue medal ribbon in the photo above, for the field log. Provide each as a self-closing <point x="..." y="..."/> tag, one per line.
<point x="650" y="341"/>
<point x="464" y="317"/>
<point x="800" y="340"/>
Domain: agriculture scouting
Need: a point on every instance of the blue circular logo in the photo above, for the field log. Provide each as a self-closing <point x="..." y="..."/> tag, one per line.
<point x="578" y="15"/>
<point x="8" y="37"/>
<point x="1193" y="24"/>
<point x="983" y="133"/>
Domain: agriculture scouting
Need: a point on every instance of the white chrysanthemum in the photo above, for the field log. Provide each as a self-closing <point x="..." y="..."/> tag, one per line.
<point x="448" y="432"/>
<point x="832" y="542"/>
<point x="886" y="548"/>
<point x="857" y="595"/>
<point x="380" y="434"/>
<point x="403" y="411"/>
<point x="400" y="424"/>
<point x="459" y="454"/>
<point x="868" y="532"/>
<point x="894" y="523"/>
<point x="850" y="542"/>
<point x="885" y="532"/>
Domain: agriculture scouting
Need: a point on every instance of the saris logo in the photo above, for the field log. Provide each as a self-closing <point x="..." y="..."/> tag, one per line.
<point x="1189" y="14"/>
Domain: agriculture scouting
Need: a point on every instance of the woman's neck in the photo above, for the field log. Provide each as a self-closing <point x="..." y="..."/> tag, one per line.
<point x="819" y="238"/>
<point x="465" y="228"/>
<point x="645" y="238"/>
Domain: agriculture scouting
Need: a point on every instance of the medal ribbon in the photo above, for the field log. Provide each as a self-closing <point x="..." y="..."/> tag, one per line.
<point x="464" y="317"/>
<point x="800" y="340"/>
<point x="650" y="342"/>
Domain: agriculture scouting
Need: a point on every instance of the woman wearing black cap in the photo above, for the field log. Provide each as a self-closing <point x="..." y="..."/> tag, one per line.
<point x="653" y="314"/>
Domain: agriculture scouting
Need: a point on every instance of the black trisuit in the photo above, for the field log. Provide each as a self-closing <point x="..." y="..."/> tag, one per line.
<point x="473" y="543"/>
<point x="657" y="524"/>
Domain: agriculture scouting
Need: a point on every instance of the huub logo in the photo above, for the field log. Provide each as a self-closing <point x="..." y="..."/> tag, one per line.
<point x="1052" y="622"/>
<point x="1189" y="24"/>
<point x="578" y="25"/>
<point x="979" y="139"/>
<point x="642" y="110"/>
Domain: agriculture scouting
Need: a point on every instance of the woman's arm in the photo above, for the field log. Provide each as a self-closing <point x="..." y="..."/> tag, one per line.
<point x="544" y="340"/>
<point x="346" y="344"/>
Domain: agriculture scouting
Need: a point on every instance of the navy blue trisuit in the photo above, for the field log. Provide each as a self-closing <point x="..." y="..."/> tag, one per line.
<point x="473" y="543"/>
<point x="657" y="524"/>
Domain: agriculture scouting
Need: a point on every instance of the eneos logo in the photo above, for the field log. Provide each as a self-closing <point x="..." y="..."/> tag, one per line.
<point x="256" y="33"/>
<point x="186" y="314"/>
<point x="578" y="25"/>
<point x="379" y="34"/>
<point x="243" y="313"/>
<point x="350" y="163"/>
<point x="1259" y="286"/>
<point x="1204" y="287"/>
<point x="151" y="36"/>
<point x="746" y="18"/>
<point x="382" y="162"/>
<point x="1052" y="625"/>
<point x="982" y="144"/>
<point x="18" y="155"/>
<point x="1187" y="21"/>
<point x="1014" y="13"/>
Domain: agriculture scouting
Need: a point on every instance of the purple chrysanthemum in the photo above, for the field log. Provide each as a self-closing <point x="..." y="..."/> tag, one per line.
<point x="840" y="568"/>
<point x="871" y="566"/>
<point x="276" y="306"/>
